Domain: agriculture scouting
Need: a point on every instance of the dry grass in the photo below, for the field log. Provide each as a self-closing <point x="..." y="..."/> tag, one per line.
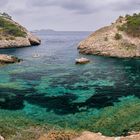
<point x="59" y="135"/>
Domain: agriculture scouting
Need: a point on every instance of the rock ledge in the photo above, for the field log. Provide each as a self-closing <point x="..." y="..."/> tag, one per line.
<point x="7" y="59"/>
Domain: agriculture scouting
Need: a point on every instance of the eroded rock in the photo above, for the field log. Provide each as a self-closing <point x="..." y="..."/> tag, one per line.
<point x="111" y="41"/>
<point x="5" y="59"/>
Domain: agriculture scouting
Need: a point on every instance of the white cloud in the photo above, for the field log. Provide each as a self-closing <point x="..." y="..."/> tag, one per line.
<point x="67" y="14"/>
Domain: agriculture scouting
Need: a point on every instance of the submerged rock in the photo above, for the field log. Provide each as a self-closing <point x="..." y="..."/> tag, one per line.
<point x="82" y="61"/>
<point x="117" y="40"/>
<point x="5" y="59"/>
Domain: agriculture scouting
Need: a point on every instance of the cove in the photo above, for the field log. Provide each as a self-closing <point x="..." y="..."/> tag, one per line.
<point x="102" y="96"/>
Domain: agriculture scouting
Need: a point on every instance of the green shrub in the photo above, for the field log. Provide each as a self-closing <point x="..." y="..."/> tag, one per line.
<point x="10" y="28"/>
<point x="11" y="38"/>
<point x="117" y="120"/>
<point x="132" y="26"/>
<point x="7" y="38"/>
<point x="121" y="28"/>
<point x="127" y="16"/>
<point x="118" y="36"/>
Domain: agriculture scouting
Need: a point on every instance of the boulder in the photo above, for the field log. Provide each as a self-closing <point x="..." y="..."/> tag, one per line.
<point x="5" y="59"/>
<point x="34" y="40"/>
<point x="82" y="61"/>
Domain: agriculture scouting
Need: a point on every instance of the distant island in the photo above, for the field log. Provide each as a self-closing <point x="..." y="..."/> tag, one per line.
<point x="14" y="35"/>
<point x="44" y="31"/>
<point x="121" y="39"/>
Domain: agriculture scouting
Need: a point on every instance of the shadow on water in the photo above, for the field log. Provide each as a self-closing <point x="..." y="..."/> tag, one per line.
<point x="64" y="104"/>
<point x="13" y="99"/>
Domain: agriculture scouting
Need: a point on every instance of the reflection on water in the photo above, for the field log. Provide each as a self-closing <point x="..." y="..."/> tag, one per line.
<point x="52" y="89"/>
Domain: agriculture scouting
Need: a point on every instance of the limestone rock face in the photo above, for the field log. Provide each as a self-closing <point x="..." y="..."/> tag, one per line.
<point x="109" y="41"/>
<point x="33" y="39"/>
<point x="17" y="42"/>
<point x="10" y="41"/>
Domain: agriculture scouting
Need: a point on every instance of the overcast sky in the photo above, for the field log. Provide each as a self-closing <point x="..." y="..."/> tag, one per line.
<point x="67" y="14"/>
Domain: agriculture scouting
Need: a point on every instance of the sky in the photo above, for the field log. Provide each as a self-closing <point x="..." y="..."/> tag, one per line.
<point x="68" y="15"/>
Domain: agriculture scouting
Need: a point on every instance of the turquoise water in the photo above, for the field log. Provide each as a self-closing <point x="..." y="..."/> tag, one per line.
<point x="103" y="95"/>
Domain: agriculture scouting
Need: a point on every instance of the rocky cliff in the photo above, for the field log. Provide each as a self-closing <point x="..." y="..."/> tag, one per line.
<point x="14" y="35"/>
<point x="120" y="39"/>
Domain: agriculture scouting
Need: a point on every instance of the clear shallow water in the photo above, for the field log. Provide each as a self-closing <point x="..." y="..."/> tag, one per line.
<point x="100" y="96"/>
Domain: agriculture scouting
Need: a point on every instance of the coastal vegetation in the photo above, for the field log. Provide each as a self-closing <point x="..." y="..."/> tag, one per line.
<point x="8" y="28"/>
<point x="132" y="25"/>
<point x="18" y="127"/>
<point x="118" y="36"/>
<point x="126" y="113"/>
<point x="12" y="34"/>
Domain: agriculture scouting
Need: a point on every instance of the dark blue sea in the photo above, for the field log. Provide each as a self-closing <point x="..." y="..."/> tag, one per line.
<point x="102" y="96"/>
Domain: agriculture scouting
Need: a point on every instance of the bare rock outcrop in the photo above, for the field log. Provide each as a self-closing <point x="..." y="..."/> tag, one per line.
<point x="88" y="136"/>
<point x="98" y="136"/>
<point x="6" y="59"/>
<point x="112" y="41"/>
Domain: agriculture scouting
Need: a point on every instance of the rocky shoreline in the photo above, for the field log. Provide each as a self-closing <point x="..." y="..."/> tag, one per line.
<point x="7" y="59"/>
<point x="26" y="40"/>
<point x="113" y="40"/>
<point x="13" y="35"/>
